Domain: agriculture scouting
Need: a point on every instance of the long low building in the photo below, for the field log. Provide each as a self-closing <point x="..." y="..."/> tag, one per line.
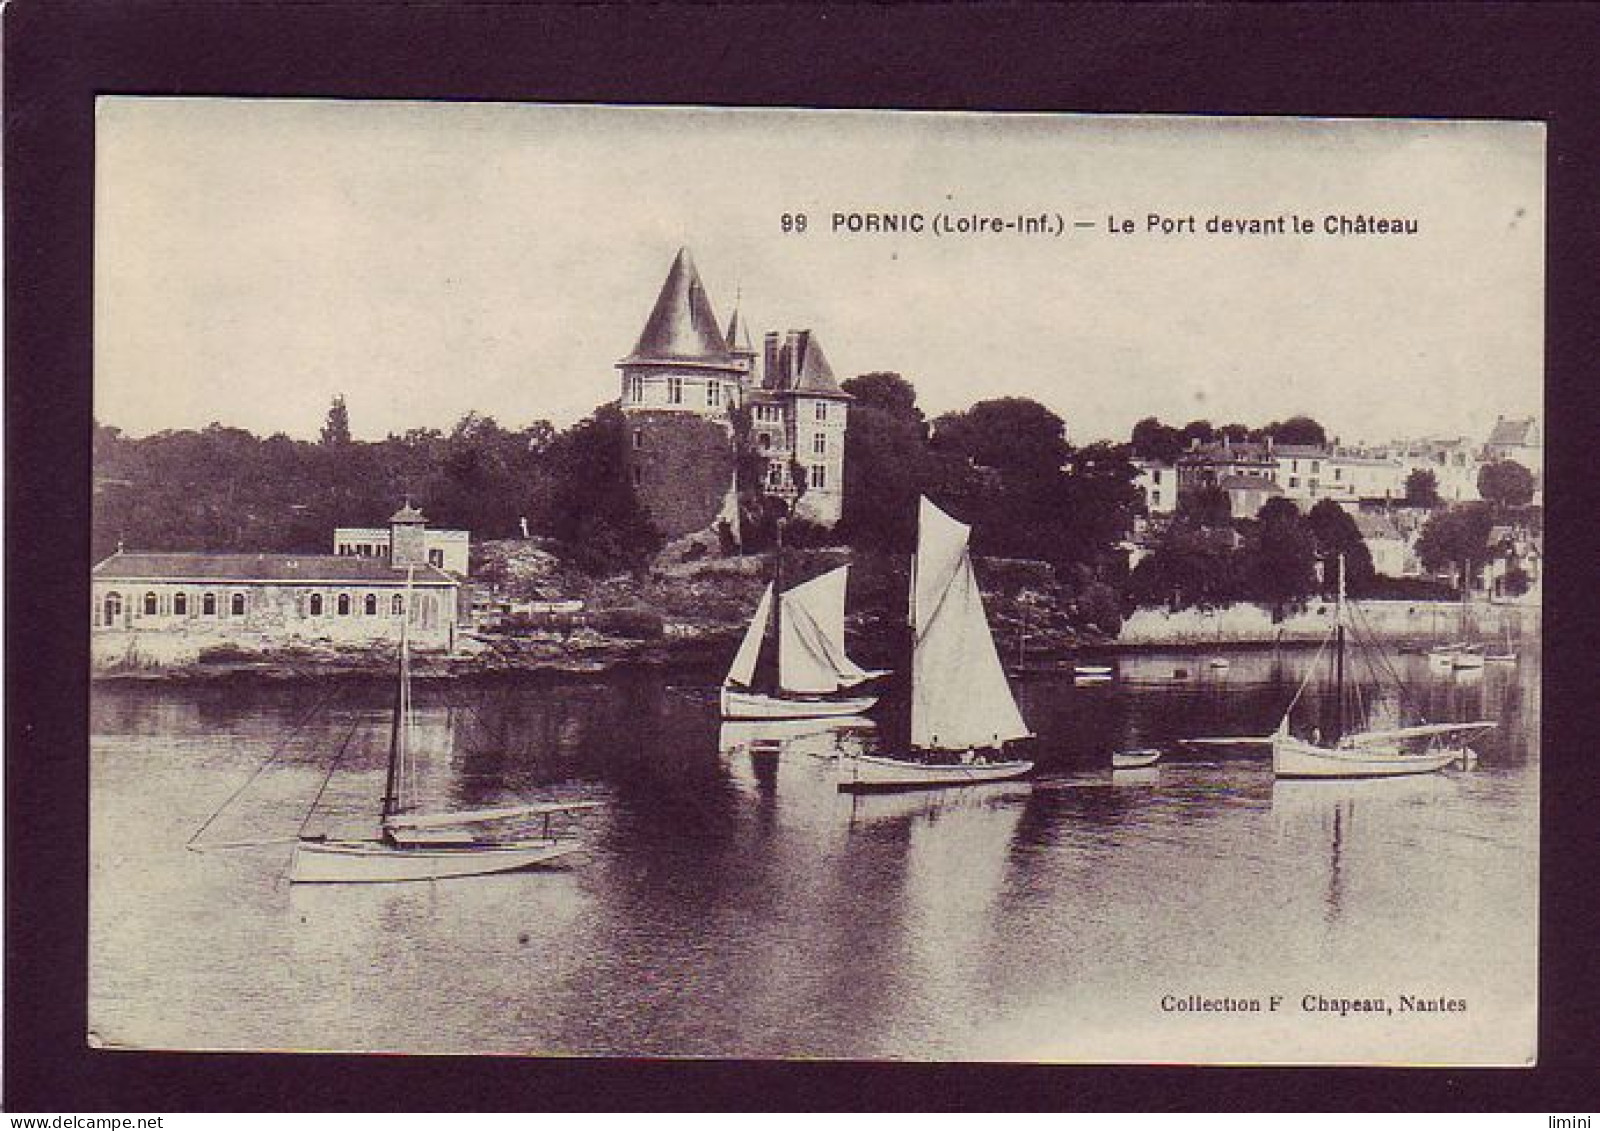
<point x="282" y="597"/>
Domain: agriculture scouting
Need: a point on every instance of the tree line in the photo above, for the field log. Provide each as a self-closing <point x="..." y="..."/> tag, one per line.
<point x="1003" y="465"/>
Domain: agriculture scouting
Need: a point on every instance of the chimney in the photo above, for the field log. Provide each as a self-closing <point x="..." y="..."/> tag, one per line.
<point x="769" y="360"/>
<point x="791" y="357"/>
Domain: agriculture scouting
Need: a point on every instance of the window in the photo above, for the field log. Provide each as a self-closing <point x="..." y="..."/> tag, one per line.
<point x="151" y="605"/>
<point x="397" y="605"/>
<point x="774" y="475"/>
<point x="113" y="607"/>
<point x="180" y="604"/>
<point x="1155" y="498"/>
<point x="763" y="440"/>
<point x="436" y="558"/>
<point x="713" y="392"/>
<point x="819" y="444"/>
<point x="1158" y="476"/>
<point x="343" y="604"/>
<point x="316" y="604"/>
<point x="1294" y="481"/>
<point x="236" y="605"/>
<point x="1338" y="474"/>
<point x="370" y="605"/>
<point x="638" y="476"/>
<point x="674" y="390"/>
<point x="208" y="604"/>
<point x="636" y="389"/>
<point x="819" y="476"/>
<point x="1316" y="466"/>
<point x="822" y="410"/>
<point x="638" y="438"/>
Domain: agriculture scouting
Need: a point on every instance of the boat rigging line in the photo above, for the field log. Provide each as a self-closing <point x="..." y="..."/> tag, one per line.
<point x="334" y="688"/>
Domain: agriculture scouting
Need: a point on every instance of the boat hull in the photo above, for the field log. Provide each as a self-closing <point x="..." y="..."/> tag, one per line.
<point x="1134" y="759"/>
<point x="752" y="705"/>
<point x="865" y="773"/>
<point x="377" y="862"/>
<point x="1292" y="758"/>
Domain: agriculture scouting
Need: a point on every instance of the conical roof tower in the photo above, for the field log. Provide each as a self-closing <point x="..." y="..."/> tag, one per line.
<point x="682" y="328"/>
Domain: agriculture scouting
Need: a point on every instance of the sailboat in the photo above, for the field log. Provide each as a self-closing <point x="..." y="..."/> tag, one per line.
<point x="413" y="845"/>
<point x="812" y="666"/>
<point x="1361" y="751"/>
<point x="961" y="703"/>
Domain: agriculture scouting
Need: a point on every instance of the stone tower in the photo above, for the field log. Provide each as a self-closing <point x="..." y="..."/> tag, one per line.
<point x="678" y="386"/>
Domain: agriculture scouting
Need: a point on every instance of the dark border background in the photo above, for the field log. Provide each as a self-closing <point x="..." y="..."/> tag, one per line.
<point x="1499" y="61"/>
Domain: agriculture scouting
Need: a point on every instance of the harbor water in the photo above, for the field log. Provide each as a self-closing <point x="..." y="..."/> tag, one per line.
<point x="731" y="901"/>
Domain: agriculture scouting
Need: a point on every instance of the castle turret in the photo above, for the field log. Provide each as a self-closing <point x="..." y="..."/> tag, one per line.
<point x="678" y="386"/>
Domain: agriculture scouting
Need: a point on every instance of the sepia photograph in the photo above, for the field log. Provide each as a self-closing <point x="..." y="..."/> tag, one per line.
<point x="711" y="582"/>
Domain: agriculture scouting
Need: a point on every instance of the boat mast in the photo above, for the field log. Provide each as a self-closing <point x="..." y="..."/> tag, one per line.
<point x="777" y="605"/>
<point x="402" y="714"/>
<point x="1338" y="621"/>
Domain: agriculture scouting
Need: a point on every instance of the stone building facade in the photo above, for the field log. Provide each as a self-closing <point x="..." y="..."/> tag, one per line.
<point x="682" y="391"/>
<point x="279" y="598"/>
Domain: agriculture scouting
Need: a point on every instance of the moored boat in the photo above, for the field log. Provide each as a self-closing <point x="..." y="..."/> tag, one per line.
<point x="1134" y="759"/>
<point x="1353" y="748"/>
<point x="414" y="845"/>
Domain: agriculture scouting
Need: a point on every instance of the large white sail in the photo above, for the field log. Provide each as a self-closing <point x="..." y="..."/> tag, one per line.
<point x="744" y="660"/>
<point x="959" y="694"/>
<point x="811" y="655"/>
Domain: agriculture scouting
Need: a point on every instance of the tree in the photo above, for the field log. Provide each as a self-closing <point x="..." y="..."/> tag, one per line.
<point x="1014" y="435"/>
<point x="888" y="392"/>
<point x="1200" y="430"/>
<point x="1153" y="440"/>
<point x="1505" y="483"/>
<point x="1207" y="505"/>
<point x="1191" y="565"/>
<point x="1337" y="536"/>
<point x="595" y="510"/>
<point x="1299" y="430"/>
<point x="336" y="430"/>
<point x="1422" y="488"/>
<point x="1282" y="554"/>
<point x="885" y="468"/>
<point x="1457" y="538"/>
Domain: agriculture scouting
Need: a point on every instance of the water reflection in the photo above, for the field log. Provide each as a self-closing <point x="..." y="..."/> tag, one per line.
<point x="735" y="903"/>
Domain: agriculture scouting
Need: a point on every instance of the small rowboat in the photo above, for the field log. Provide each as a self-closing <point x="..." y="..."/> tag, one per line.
<point x="1219" y="663"/>
<point x="1134" y="759"/>
<point x="1093" y="671"/>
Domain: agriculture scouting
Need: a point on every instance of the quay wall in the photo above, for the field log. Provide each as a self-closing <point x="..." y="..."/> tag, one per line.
<point x="1418" y="621"/>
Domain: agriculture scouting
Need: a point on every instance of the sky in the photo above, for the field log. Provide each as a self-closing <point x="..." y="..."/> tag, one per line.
<point x="255" y="257"/>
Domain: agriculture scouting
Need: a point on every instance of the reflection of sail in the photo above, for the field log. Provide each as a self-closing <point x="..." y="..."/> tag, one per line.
<point x="744" y="661"/>
<point x="960" y="697"/>
<point x="811" y="655"/>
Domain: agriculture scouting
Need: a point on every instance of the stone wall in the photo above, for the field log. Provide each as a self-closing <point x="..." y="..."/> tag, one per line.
<point x="683" y="467"/>
<point x="1391" y="620"/>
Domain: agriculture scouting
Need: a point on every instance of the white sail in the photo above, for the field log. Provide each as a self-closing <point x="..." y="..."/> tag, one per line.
<point x="811" y="655"/>
<point x="744" y="660"/>
<point x="959" y="694"/>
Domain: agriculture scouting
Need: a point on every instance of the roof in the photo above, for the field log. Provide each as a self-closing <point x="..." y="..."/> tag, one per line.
<point x="1376" y="526"/>
<point x="738" y="335"/>
<point x="407" y="513"/>
<point x="1513" y="433"/>
<point x="804" y="369"/>
<point x="682" y="326"/>
<point x="294" y="568"/>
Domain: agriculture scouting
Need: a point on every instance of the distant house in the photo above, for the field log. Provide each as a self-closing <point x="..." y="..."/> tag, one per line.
<point x="449" y="550"/>
<point x="1247" y="494"/>
<point x="1158" y="483"/>
<point x="282" y="597"/>
<point x="1393" y="548"/>
<point x="1516" y="438"/>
